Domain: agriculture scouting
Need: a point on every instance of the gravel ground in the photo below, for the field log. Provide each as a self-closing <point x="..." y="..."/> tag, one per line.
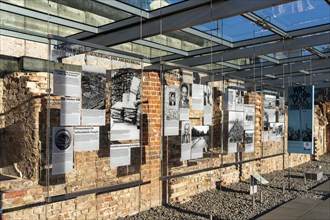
<point x="234" y="201"/>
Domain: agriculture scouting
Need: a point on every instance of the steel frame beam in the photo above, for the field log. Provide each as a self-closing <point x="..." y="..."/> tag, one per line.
<point x="177" y="19"/>
<point x="233" y="54"/>
<point x="297" y="33"/>
<point x="45" y="17"/>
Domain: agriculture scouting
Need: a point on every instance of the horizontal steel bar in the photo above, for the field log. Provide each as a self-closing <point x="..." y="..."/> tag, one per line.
<point x="218" y="167"/>
<point x="93" y="46"/>
<point x="45" y="17"/>
<point x="73" y="195"/>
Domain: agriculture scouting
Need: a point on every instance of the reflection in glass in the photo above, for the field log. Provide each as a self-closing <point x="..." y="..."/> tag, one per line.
<point x="298" y="14"/>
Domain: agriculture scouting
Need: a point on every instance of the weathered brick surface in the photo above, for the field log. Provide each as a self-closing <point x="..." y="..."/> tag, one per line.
<point x="23" y="105"/>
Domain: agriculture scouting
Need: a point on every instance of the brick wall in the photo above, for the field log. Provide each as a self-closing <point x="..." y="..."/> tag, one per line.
<point x="22" y="95"/>
<point x="92" y="170"/>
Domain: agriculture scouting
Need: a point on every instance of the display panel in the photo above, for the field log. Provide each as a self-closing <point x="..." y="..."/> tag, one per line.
<point x="172" y="100"/>
<point x="125" y="105"/>
<point x="301" y="119"/>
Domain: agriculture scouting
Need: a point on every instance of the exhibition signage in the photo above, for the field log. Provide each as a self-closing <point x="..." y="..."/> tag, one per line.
<point x="301" y="119"/>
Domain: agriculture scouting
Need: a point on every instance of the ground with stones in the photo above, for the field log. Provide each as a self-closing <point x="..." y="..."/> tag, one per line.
<point x="235" y="202"/>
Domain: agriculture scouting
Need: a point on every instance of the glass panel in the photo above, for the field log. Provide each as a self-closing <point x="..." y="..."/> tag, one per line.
<point x="181" y="40"/>
<point x="290" y="54"/>
<point x="33" y="26"/>
<point x="323" y="48"/>
<point x="234" y="29"/>
<point x="88" y="12"/>
<point x="297" y="15"/>
<point x="149" y="5"/>
<point x="209" y="66"/>
<point x="142" y="50"/>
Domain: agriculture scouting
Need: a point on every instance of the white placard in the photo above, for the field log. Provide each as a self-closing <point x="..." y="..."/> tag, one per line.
<point x="62" y="150"/>
<point x="120" y="154"/>
<point x="86" y="138"/>
<point x="249" y="141"/>
<point x="196" y="153"/>
<point x="249" y="115"/>
<point x="70" y="111"/>
<point x="197" y="97"/>
<point x="67" y="83"/>
<point x="185" y="152"/>
<point x="94" y="117"/>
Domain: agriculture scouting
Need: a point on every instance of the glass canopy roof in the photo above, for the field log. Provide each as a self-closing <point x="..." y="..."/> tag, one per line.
<point x="234" y="29"/>
<point x="298" y="14"/>
<point x="247" y="36"/>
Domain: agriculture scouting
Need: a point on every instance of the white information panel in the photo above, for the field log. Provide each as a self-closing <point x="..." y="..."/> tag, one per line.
<point x="86" y="138"/>
<point x="67" y="83"/>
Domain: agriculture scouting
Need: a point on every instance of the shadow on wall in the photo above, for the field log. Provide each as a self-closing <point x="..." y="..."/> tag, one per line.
<point x="18" y="151"/>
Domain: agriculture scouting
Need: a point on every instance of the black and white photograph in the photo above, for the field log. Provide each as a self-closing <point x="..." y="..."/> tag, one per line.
<point x="249" y="112"/>
<point x="276" y="131"/>
<point x="125" y="105"/>
<point x="235" y="130"/>
<point x="184" y="95"/>
<point x="249" y="141"/>
<point x="62" y="150"/>
<point x="196" y="78"/>
<point x="208" y="105"/>
<point x="234" y="99"/>
<point x="93" y="90"/>
<point x="185" y="140"/>
<point x="172" y="110"/>
<point x="200" y="136"/>
<point x="184" y="101"/>
<point x="281" y="110"/>
<point x="269" y="117"/>
<point x="270" y="102"/>
<point x="172" y="99"/>
<point x="186" y="132"/>
<point x="207" y="95"/>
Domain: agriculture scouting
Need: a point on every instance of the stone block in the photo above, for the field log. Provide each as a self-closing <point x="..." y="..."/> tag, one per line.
<point x="314" y="175"/>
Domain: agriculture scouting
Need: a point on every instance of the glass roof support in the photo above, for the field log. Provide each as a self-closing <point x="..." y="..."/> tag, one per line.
<point x="316" y="52"/>
<point x="317" y="65"/>
<point x="181" y="19"/>
<point x="307" y="31"/>
<point x="128" y="8"/>
<point x="264" y="23"/>
<point x="45" y="17"/>
<point x="270" y="59"/>
<point x="293" y="34"/>
<point x="232" y="54"/>
<point x="23" y="36"/>
<point x="118" y="53"/>
<point x="165" y="48"/>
